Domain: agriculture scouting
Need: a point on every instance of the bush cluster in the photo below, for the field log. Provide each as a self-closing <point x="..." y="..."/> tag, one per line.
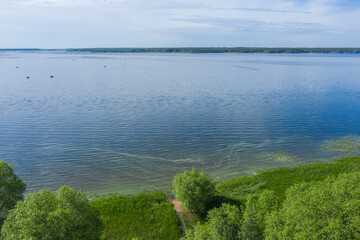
<point x="317" y="201"/>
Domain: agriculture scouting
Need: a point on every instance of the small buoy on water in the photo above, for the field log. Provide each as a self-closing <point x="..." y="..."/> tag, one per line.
<point x="17" y="67"/>
<point x="27" y="77"/>
<point x="51" y="76"/>
<point x="105" y="66"/>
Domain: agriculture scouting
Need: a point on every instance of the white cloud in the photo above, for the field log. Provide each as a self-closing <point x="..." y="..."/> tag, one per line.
<point x="90" y="23"/>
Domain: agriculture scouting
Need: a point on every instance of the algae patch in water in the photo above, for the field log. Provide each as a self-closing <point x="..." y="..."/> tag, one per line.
<point x="346" y="145"/>
<point x="279" y="157"/>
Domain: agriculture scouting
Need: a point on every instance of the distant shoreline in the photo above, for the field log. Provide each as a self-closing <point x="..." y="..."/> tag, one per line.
<point x="200" y="50"/>
<point x="218" y="50"/>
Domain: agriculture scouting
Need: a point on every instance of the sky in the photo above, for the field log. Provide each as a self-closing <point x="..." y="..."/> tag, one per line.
<point x="179" y="23"/>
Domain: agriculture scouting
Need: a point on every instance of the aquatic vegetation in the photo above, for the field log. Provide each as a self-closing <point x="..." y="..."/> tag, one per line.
<point x="253" y="170"/>
<point x="149" y="157"/>
<point x="256" y="146"/>
<point x="346" y="145"/>
<point x="279" y="156"/>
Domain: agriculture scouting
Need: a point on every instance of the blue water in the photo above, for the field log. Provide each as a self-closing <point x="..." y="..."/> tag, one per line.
<point x="129" y="122"/>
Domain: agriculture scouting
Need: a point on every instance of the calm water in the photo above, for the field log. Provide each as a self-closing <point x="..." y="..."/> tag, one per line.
<point x="128" y="122"/>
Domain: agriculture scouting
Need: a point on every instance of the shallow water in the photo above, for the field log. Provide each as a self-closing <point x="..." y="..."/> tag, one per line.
<point x="129" y="122"/>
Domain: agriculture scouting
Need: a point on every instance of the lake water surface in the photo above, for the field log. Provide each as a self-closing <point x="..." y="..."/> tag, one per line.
<point x="129" y="122"/>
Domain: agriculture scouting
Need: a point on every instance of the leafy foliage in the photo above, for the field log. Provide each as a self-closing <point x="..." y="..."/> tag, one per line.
<point x="12" y="189"/>
<point x="144" y="216"/>
<point x="328" y="209"/>
<point x="194" y="189"/>
<point x="280" y="179"/>
<point x="258" y="207"/>
<point x="222" y="223"/>
<point x="45" y="215"/>
<point x="315" y="201"/>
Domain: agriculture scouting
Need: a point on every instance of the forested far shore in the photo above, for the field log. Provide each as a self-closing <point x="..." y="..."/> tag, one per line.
<point x="217" y="50"/>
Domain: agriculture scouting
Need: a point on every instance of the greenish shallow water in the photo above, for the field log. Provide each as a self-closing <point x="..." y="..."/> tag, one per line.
<point x="129" y="122"/>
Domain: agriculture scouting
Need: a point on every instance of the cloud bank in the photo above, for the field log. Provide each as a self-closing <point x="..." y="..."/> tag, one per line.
<point x="179" y="23"/>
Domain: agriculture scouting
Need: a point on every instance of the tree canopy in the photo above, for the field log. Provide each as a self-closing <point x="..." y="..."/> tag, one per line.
<point x="45" y="215"/>
<point x="329" y="209"/>
<point x="256" y="211"/>
<point x="12" y="189"/>
<point x="222" y="223"/>
<point x="194" y="189"/>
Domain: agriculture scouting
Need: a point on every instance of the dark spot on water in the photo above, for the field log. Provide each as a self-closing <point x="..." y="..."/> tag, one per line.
<point x="27" y="77"/>
<point x="51" y="76"/>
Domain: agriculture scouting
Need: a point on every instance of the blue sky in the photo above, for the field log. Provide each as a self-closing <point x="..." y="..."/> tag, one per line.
<point x="179" y="23"/>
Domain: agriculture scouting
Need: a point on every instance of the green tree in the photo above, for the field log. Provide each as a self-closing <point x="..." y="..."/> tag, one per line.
<point x="256" y="211"/>
<point x="200" y="232"/>
<point x="194" y="189"/>
<point x="222" y="223"/>
<point x="45" y="215"/>
<point x="12" y="189"/>
<point x="329" y="209"/>
<point x="225" y="222"/>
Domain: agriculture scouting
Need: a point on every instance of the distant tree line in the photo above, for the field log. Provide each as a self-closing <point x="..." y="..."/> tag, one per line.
<point x="219" y="50"/>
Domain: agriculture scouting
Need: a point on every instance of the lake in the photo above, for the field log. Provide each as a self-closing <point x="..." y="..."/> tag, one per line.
<point x="116" y="122"/>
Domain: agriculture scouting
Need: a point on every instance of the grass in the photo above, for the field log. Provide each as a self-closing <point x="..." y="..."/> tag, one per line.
<point x="143" y="216"/>
<point x="151" y="215"/>
<point x="281" y="179"/>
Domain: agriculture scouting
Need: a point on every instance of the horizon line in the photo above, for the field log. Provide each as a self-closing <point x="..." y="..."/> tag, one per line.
<point x="73" y="48"/>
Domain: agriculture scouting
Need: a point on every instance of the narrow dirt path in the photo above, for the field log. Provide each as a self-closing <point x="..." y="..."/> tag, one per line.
<point x="178" y="210"/>
<point x="177" y="205"/>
